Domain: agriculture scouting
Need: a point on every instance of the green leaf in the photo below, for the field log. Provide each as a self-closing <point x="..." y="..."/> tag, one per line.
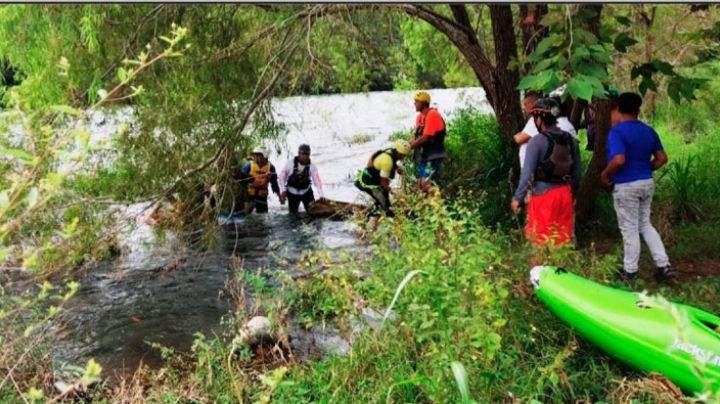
<point x="4" y="200"/>
<point x="92" y="373"/>
<point x="562" y="62"/>
<point x="535" y="82"/>
<point x="584" y="36"/>
<point x="461" y="378"/>
<point x="65" y="109"/>
<point x="663" y="67"/>
<point x="579" y="88"/>
<point x="587" y="13"/>
<point x="528" y="82"/>
<point x="623" y="20"/>
<point x="623" y="41"/>
<point x="607" y="32"/>
<point x="592" y="70"/>
<point x="17" y="153"/>
<point x="646" y="84"/>
<point x="34" y="395"/>
<point x="551" y="19"/>
<point x="603" y="57"/>
<point x="427" y="324"/>
<point x="4" y="252"/>
<point x="542" y="65"/>
<point x="122" y="74"/>
<point x="554" y="378"/>
<point x="581" y="52"/>
<point x="32" y="197"/>
<point x="596" y="48"/>
<point x="547" y="43"/>
<point x="673" y="90"/>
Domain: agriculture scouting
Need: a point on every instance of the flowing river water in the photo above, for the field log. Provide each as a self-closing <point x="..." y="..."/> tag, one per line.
<point x="162" y="290"/>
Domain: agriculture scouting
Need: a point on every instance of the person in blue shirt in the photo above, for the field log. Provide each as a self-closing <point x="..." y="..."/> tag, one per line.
<point x="634" y="151"/>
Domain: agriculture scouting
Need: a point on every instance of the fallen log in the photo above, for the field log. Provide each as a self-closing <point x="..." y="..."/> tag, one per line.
<point x="335" y="210"/>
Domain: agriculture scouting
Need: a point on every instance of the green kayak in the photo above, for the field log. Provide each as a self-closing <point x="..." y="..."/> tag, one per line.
<point x="645" y="336"/>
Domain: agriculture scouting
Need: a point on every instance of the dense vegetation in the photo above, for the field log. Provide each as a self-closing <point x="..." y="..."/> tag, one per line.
<point x="466" y="325"/>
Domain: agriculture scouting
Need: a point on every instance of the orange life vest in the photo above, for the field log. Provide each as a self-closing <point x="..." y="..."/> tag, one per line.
<point x="261" y="178"/>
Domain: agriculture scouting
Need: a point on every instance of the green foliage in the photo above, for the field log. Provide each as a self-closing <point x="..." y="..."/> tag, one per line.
<point x="449" y="312"/>
<point x="320" y="295"/>
<point x="437" y="62"/>
<point x="574" y="56"/>
<point x="570" y="54"/>
<point x="478" y="166"/>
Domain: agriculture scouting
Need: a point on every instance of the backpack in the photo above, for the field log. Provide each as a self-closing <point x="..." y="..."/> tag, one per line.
<point x="556" y="164"/>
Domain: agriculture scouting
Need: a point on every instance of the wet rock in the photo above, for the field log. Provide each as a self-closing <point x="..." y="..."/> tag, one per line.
<point x="256" y="330"/>
<point x="330" y="341"/>
<point x="369" y="318"/>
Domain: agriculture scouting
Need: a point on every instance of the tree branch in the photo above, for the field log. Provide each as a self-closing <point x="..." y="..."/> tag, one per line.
<point x="461" y="16"/>
<point x="471" y="50"/>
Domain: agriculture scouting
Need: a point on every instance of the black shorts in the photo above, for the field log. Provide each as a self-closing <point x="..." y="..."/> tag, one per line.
<point x="294" y="200"/>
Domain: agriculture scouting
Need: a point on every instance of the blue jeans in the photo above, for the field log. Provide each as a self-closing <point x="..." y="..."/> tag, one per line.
<point x="429" y="169"/>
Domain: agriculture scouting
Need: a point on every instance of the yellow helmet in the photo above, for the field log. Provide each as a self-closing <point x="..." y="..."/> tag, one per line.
<point x="422" y="96"/>
<point x="402" y="146"/>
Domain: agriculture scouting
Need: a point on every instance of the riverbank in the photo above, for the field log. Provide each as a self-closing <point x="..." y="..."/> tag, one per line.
<point x="470" y="302"/>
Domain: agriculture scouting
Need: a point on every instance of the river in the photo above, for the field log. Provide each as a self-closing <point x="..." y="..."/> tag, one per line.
<point x="162" y="290"/>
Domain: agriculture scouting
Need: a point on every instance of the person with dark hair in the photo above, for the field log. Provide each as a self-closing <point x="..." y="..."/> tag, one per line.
<point x="552" y="171"/>
<point x="634" y="151"/>
<point x="429" y="139"/>
<point x="530" y="130"/>
<point x="296" y="180"/>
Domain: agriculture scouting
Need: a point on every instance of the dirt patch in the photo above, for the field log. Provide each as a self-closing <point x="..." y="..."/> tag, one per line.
<point x="697" y="269"/>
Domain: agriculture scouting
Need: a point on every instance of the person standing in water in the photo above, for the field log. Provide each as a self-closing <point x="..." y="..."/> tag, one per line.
<point x="296" y="180"/>
<point x="258" y="174"/>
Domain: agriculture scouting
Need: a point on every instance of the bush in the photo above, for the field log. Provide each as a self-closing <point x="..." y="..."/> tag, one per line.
<point x="449" y="311"/>
<point x="477" y="167"/>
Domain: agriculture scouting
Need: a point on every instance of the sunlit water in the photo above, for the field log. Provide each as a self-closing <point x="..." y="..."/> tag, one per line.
<point x="164" y="291"/>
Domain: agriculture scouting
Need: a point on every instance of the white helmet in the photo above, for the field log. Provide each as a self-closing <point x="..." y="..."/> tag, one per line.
<point x="261" y="150"/>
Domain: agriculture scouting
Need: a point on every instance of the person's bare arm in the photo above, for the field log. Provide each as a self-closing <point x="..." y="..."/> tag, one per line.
<point x="660" y="158"/>
<point x="385" y="184"/>
<point x="419" y="141"/>
<point x="613" y="166"/>
<point x="521" y="138"/>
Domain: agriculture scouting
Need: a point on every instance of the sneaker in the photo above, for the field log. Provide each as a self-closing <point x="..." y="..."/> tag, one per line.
<point x="664" y="273"/>
<point x="624" y="275"/>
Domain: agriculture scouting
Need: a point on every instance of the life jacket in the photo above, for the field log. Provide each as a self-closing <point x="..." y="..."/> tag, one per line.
<point x="556" y="164"/>
<point x="300" y="179"/>
<point x="369" y="177"/>
<point x="261" y="178"/>
<point x="435" y="146"/>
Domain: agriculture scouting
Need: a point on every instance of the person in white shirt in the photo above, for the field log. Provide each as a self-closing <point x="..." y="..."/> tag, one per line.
<point x="296" y="179"/>
<point x="530" y="130"/>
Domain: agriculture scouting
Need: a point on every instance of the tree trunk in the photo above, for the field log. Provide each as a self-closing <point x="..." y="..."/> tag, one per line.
<point x="590" y="187"/>
<point x="507" y="102"/>
<point x="498" y="81"/>
<point x="532" y="31"/>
